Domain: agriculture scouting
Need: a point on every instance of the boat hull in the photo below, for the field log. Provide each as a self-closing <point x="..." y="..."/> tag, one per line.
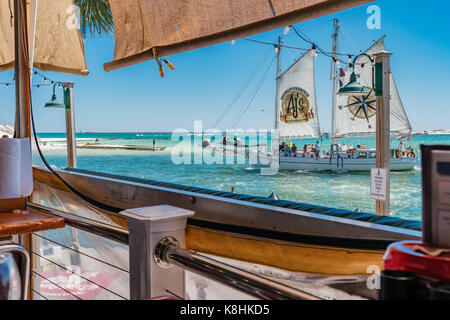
<point x="341" y="164"/>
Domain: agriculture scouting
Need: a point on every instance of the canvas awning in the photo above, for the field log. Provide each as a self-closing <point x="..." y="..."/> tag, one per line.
<point x="180" y="25"/>
<point x="58" y="45"/>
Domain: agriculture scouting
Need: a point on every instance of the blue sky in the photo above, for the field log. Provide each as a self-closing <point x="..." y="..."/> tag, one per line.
<point x="205" y="80"/>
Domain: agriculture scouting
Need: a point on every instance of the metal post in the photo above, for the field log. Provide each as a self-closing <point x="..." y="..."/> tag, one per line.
<point x="383" y="160"/>
<point x="70" y="125"/>
<point x="147" y="226"/>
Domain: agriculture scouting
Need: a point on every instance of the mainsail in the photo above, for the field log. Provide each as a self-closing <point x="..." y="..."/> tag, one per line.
<point x="357" y="116"/>
<point x="296" y="100"/>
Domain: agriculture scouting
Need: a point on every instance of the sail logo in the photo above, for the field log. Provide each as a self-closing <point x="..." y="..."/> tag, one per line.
<point x="295" y="106"/>
<point x="363" y="107"/>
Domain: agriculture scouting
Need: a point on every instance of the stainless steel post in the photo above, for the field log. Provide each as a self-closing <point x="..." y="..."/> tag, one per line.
<point x="147" y="226"/>
<point x="169" y="252"/>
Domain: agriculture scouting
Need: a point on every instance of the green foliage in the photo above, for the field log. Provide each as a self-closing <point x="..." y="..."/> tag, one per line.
<point x="95" y="17"/>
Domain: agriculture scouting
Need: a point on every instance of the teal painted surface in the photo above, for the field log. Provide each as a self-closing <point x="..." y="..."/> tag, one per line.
<point x="338" y="190"/>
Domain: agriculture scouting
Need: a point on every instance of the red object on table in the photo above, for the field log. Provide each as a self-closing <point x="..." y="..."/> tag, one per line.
<point x="418" y="258"/>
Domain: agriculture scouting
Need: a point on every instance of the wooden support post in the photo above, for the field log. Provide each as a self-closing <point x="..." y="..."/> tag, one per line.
<point x="383" y="98"/>
<point x="22" y="127"/>
<point x="70" y="125"/>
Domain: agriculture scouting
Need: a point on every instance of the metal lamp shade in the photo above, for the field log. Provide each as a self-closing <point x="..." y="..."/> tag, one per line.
<point x="54" y="103"/>
<point x="353" y="88"/>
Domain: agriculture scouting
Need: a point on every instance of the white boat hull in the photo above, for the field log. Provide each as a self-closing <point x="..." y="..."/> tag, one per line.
<point x="322" y="164"/>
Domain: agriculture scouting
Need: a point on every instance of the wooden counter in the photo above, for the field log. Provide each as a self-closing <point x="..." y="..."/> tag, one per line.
<point x="27" y="221"/>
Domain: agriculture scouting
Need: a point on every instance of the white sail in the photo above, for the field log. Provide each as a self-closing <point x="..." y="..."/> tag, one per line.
<point x="296" y="100"/>
<point x="351" y="120"/>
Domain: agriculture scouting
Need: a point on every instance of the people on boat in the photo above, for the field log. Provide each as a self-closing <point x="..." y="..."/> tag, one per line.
<point x="282" y="147"/>
<point x="351" y="148"/>
<point x="206" y="142"/>
<point x="363" y="146"/>
<point x="237" y="141"/>
<point x="288" y="151"/>
<point x="344" y="148"/>
<point x="294" y="150"/>
<point x="358" y="146"/>
<point x="401" y="150"/>
<point x="290" y="144"/>
<point x="224" y="140"/>
<point x="317" y="149"/>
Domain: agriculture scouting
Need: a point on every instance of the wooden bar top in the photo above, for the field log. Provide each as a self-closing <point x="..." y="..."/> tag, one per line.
<point x="26" y="221"/>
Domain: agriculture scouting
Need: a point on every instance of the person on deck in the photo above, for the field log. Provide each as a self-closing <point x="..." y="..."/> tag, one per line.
<point x="294" y="150"/>
<point x="401" y="149"/>
<point x="290" y="144"/>
<point x="317" y="149"/>
<point x="344" y="148"/>
<point x="363" y="146"/>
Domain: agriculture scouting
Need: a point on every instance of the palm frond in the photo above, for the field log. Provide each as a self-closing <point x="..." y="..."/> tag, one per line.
<point x="95" y="17"/>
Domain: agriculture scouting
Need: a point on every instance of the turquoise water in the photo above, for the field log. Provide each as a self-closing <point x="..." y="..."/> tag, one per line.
<point x="340" y="190"/>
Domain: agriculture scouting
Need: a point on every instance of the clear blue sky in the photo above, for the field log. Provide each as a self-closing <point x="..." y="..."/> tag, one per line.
<point x="205" y="80"/>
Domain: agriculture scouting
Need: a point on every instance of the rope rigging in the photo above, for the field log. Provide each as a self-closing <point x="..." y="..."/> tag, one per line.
<point x="251" y="97"/>
<point x="243" y="88"/>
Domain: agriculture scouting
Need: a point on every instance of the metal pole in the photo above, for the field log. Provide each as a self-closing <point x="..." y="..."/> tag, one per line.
<point x="333" y="77"/>
<point x="383" y="160"/>
<point x="70" y="125"/>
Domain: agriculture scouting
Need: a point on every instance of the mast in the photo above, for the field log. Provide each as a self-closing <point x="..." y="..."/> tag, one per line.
<point x="278" y="72"/>
<point x="335" y="47"/>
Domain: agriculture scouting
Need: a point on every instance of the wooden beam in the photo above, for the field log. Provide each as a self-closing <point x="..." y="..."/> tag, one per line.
<point x="383" y="115"/>
<point x="22" y="71"/>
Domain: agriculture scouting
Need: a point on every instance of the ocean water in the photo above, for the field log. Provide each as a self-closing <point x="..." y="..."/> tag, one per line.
<point x="344" y="190"/>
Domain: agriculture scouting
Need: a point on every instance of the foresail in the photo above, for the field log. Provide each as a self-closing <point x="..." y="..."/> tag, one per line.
<point x="357" y="116"/>
<point x="296" y="100"/>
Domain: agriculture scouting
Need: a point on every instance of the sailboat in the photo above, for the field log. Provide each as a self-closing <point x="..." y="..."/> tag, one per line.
<point x="296" y="117"/>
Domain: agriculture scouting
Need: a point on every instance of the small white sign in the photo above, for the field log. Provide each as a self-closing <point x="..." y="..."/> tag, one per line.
<point x="378" y="179"/>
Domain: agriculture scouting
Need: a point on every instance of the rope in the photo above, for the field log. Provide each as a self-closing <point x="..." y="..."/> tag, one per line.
<point x="251" y="97"/>
<point x="242" y="89"/>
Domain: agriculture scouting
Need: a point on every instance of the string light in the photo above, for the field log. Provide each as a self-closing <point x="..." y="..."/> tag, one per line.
<point x="233" y="42"/>
<point x="276" y="48"/>
<point x="38" y="86"/>
<point x="314" y="51"/>
<point x="286" y="30"/>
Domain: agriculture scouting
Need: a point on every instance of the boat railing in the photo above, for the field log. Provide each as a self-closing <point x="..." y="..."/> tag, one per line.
<point x="155" y="265"/>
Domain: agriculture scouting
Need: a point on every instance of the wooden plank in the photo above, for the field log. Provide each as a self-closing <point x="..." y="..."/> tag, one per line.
<point x="383" y="130"/>
<point x="26" y="221"/>
<point x="7" y="205"/>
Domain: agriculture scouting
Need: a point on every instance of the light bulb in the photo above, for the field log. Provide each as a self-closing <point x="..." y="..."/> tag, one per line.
<point x="276" y="49"/>
<point x="314" y="51"/>
<point x="286" y="30"/>
<point x="233" y="42"/>
<point x="349" y="59"/>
